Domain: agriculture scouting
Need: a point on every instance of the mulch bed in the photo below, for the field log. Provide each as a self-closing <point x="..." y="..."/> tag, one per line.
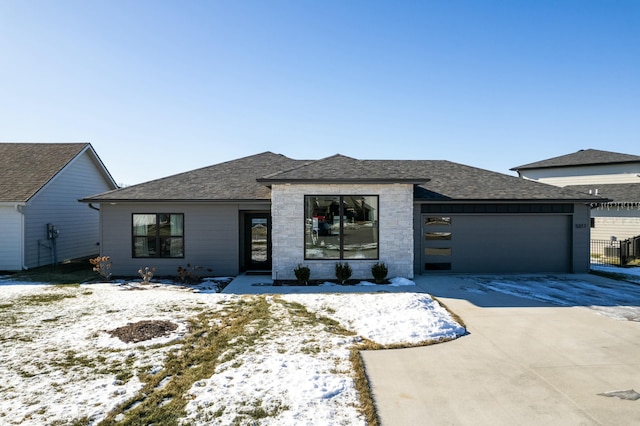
<point x="143" y="330"/>
<point x="318" y="282"/>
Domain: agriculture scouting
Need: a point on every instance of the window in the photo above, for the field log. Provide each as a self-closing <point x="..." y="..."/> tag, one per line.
<point x="158" y="235"/>
<point x="437" y="249"/>
<point x="341" y="227"/>
<point x="435" y="221"/>
<point x="437" y="236"/>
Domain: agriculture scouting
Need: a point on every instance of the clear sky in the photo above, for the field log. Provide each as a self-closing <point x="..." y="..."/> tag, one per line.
<point x="160" y="87"/>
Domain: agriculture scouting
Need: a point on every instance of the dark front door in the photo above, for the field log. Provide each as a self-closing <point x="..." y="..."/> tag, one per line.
<point x="257" y="242"/>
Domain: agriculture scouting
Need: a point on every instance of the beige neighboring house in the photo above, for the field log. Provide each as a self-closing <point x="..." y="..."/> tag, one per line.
<point x="41" y="220"/>
<point x="611" y="175"/>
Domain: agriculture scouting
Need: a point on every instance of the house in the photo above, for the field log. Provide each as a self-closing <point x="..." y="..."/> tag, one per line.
<point x="41" y="221"/>
<point x="607" y="174"/>
<point x="267" y="212"/>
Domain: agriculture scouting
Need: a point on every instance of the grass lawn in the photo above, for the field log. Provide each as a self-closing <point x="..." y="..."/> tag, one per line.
<point x="222" y="359"/>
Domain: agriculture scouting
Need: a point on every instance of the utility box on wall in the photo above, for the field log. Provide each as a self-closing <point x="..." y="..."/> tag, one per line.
<point x="52" y="232"/>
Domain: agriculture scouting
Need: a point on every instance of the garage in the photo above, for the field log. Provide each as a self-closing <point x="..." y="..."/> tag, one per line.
<point x="497" y="242"/>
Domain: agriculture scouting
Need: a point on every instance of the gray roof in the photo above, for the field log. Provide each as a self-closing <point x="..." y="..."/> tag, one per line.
<point x="454" y="181"/>
<point x="26" y="167"/>
<point x="247" y="179"/>
<point x="339" y="168"/>
<point x="617" y="192"/>
<point x="584" y="157"/>
<point x="232" y="180"/>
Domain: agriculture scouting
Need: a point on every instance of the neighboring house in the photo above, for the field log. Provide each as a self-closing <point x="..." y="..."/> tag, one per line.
<point x="41" y="220"/>
<point x="607" y="174"/>
<point x="267" y="212"/>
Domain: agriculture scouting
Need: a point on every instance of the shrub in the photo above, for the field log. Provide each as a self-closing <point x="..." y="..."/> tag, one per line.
<point x="146" y="274"/>
<point x="189" y="274"/>
<point x="302" y="273"/>
<point x="343" y="272"/>
<point x="379" y="272"/>
<point x="101" y="265"/>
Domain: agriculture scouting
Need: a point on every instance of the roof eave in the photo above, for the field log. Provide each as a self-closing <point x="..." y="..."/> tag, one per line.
<point x="562" y="166"/>
<point x="412" y="181"/>
<point x="515" y="200"/>
<point x="173" y="200"/>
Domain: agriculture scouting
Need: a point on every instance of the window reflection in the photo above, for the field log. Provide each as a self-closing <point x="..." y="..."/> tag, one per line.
<point x="341" y="227"/>
<point x="158" y="235"/>
<point x="440" y="220"/>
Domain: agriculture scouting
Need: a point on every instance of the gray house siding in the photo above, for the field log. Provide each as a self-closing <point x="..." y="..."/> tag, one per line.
<point x="581" y="239"/>
<point x="11" y="230"/>
<point x="211" y="236"/>
<point x="57" y="203"/>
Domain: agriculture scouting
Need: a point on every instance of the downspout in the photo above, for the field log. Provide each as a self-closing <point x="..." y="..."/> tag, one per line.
<point x="91" y="206"/>
<point x="20" y="209"/>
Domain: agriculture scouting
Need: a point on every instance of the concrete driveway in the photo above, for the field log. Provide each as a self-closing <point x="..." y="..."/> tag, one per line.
<point x="524" y="362"/>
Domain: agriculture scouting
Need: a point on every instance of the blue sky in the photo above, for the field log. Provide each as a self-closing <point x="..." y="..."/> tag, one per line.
<point x="162" y="87"/>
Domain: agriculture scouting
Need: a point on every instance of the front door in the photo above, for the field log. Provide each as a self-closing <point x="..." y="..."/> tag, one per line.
<point x="257" y="242"/>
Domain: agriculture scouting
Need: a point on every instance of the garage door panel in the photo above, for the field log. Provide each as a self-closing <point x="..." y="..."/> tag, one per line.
<point x="499" y="243"/>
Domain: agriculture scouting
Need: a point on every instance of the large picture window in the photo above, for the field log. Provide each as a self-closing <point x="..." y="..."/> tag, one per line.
<point x="341" y="227"/>
<point x="158" y="235"/>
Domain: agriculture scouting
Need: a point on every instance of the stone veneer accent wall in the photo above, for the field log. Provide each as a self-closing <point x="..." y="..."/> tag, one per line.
<point x="395" y="227"/>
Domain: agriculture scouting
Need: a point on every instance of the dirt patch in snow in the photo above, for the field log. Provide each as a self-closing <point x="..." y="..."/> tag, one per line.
<point x="143" y="330"/>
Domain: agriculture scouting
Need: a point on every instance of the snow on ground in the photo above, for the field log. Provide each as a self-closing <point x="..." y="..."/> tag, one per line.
<point x="387" y="320"/>
<point x="616" y="299"/>
<point x="58" y="363"/>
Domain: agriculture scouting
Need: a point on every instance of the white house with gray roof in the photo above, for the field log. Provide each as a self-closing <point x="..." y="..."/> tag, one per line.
<point x="611" y="175"/>
<point x="270" y="213"/>
<point x="41" y="221"/>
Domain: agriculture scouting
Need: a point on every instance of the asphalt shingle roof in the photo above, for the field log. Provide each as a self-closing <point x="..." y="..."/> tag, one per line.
<point x="232" y="180"/>
<point x="617" y="192"/>
<point x="339" y="168"/>
<point x="26" y="167"/>
<point x="454" y="181"/>
<point x="247" y="179"/>
<point x="584" y="157"/>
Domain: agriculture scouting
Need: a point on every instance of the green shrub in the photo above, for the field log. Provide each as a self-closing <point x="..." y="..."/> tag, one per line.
<point x="379" y="272"/>
<point x="302" y="273"/>
<point x="343" y="272"/>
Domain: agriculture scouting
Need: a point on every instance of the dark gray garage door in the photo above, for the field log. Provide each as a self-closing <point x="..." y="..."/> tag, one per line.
<point x="496" y="243"/>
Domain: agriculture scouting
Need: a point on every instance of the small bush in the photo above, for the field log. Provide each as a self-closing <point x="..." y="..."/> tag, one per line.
<point x="101" y="265"/>
<point x="379" y="272"/>
<point x="190" y="274"/>
<point x="343" y="272"/>
<point x="146" y="274"/>
<point x="302" y="273"/>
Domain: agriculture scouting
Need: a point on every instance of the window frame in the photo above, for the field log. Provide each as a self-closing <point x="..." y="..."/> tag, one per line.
<point x="341" y="215"/>
<point x="158" y="237"/>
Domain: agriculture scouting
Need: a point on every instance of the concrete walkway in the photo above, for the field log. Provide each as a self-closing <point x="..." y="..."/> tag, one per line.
<point x="263" y="284"/>
<point x="522" y="363"/>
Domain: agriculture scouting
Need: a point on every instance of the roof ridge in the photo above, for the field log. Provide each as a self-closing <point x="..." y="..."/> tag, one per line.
<point x="307" y="163"/>
<point x="582" y="157"/>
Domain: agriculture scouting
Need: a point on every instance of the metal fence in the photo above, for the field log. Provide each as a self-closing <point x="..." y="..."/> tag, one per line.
<point x="613" y="252"/>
